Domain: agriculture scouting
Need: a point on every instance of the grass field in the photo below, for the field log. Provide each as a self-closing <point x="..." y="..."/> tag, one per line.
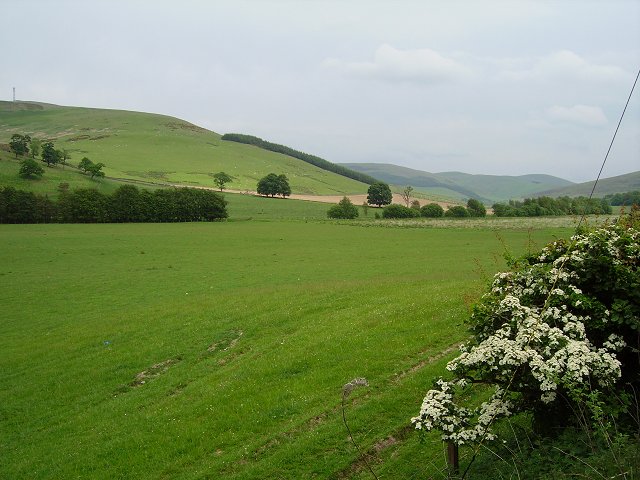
<point x="162" y="149"/>
<point x="219" y="350"/>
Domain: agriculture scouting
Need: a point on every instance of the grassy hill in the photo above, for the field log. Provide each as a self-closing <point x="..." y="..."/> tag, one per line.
<point x="457" y="185"/>
<point x="618" y="184"/>
<point x="157" y="148"/>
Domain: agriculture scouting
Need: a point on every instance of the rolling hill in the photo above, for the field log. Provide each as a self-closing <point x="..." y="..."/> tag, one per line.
<point x="457" y="185"/>
<point x="161" y="149"/>
<point x="621" y="183"/>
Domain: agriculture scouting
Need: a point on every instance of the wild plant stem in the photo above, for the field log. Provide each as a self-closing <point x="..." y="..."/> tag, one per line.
<point x="362" y="455"/>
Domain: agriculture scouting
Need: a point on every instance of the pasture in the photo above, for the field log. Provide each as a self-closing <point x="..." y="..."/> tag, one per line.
<point x="219" y="350"/>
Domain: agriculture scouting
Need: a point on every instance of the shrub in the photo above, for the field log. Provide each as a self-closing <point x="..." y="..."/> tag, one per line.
<point x="457" y="211"/>
<point x="29" y="168"/>
<point x="343" y="209"/>
<point x="432" y="210"/>
<point x="399" y="211"/>
<point x="556" y="336"/>
<point x="476" y="208"/>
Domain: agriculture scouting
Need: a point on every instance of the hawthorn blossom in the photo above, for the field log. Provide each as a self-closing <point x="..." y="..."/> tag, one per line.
<point x="533" y="330"/>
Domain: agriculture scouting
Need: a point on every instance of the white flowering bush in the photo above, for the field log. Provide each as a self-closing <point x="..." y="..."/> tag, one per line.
<point x="563" y="324"/>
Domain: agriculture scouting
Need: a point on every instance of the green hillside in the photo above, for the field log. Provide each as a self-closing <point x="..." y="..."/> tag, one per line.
<point x="619" y="184"/>
<point x="459" y="186"/>
<point x="162" y="149"/>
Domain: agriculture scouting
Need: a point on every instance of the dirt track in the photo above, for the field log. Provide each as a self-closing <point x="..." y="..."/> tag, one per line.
<point x="355" y="199"/>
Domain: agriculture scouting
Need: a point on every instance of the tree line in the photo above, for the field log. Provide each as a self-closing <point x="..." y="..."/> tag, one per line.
<point x="624" y="199"/>
<point x="305" y="157"/>
<point x="547" y="206"/>
<point x="127" y="204"/>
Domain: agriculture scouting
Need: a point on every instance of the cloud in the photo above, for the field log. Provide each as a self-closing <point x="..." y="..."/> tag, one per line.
<point x="565" y="64"/>
<point x="423" y="66"/>
<point x="578" y="114"/>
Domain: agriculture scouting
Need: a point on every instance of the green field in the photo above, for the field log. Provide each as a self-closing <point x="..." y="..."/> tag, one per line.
<point x="161" y="149"/>
<point x="219" y="350"/>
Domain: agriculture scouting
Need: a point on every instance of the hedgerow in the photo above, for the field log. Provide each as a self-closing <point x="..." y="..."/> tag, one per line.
<point x="126" y="204"/>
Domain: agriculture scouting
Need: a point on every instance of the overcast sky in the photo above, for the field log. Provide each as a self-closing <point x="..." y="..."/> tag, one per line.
<point x="478" y="86"/>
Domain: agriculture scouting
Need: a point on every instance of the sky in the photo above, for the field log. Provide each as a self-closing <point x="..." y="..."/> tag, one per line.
<point x="500" y="87"/>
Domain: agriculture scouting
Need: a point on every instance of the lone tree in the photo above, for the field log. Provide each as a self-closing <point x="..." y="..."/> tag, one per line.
<point x="379" y="194"/>
<point x="221" y="178"/>
<point x="30" y="169"/>
<point x="406" y="194"/>
<point x="343" y="209"/>
<point x="50" y="155"/>
<point x="273" y="185"/>
<point x="19" y="144"/>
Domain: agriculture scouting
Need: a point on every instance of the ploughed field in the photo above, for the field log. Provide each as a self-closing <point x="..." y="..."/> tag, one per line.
<point x="219" y="350"/>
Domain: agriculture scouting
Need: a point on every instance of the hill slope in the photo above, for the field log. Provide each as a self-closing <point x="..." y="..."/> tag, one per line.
<point x="158" y="148"/>
<point x="488" y="188"/>
<point x="606" y="186"/>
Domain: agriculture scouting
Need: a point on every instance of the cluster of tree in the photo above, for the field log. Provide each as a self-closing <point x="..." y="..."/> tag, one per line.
<point x="624" y="199"/>
<point x="93" y="169"/>
<point x="305" y="157"/>
<point x="379" y="194"/>
<point x="273" y="185"/>
<point x="543" y="206"/>
<point x="126" y="204"/>
<point x="474" y="208"/>
<point x="21" y="145"/>
<point x="432" y="210"/>
<point x="343" y="209"/>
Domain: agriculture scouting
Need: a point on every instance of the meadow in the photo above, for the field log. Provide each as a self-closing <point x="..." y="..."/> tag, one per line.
<point x="219" y="350"/>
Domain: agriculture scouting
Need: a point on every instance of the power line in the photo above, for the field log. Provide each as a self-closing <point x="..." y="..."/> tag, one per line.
<point x="614" y="135"/>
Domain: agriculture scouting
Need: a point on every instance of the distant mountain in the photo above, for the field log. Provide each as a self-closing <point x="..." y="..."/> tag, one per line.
<point x="619" y="184"/>
<point x="458" y="185"/>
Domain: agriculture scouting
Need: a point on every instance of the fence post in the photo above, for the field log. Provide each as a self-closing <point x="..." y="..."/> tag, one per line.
<point x="452" y="457"/>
